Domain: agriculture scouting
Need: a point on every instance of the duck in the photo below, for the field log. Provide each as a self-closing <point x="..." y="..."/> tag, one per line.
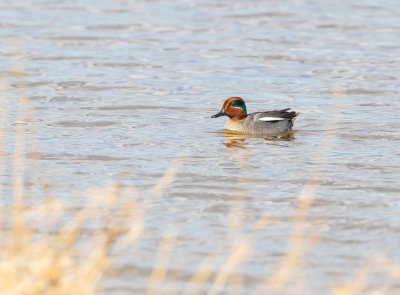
<point x="259" y="123"/>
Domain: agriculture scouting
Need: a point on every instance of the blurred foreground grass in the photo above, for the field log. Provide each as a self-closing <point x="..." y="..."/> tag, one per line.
<point x="43" y="252"/>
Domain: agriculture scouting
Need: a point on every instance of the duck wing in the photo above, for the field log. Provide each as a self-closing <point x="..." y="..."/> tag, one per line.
<point x="269" y="122"/>
<point x="278" y="115"/>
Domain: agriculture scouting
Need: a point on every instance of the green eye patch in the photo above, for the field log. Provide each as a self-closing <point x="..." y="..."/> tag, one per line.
<point x="240" y="104"/>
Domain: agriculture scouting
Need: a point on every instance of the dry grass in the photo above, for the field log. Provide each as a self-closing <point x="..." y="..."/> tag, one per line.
<point x="41" y="255"/>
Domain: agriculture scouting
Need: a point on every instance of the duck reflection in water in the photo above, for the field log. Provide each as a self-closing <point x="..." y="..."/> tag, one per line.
<point x="238" y="140"/>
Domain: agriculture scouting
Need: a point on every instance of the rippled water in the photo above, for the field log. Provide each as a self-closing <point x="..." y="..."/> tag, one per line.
<point x="121" y="88"/>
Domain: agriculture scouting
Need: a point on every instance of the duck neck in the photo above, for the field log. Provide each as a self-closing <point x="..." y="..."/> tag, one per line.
<point x="236" y="119"/>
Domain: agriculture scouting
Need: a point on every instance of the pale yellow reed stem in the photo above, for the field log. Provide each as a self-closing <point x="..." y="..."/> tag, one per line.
<point x="4" y="93"/>
<point x="137" y="216"/>
<point x="160" y="267"/>
<point x="201" y="276"/>
<point x="290" y="262"/>
<point x="357" y="283"/>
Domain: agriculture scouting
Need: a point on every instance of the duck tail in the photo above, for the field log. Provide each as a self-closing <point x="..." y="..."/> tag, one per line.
<point x="294" y="117"/>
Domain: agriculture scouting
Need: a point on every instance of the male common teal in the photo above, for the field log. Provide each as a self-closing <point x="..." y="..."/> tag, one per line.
<point x="262" y="123"/>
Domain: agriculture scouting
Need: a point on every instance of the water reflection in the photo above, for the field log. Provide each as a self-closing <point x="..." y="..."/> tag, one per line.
<point x="238" y="140"/>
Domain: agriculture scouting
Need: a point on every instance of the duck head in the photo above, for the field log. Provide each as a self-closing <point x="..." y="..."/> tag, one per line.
<point x="234" y="108"/>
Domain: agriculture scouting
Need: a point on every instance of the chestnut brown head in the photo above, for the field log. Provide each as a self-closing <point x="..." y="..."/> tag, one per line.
<point x="234" y="108"/>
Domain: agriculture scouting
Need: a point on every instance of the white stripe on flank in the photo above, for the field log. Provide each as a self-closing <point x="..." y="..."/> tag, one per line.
<point x="271" y="119"/>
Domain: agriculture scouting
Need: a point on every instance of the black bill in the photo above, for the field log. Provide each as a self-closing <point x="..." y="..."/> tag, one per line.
<point x="221" y="113"/>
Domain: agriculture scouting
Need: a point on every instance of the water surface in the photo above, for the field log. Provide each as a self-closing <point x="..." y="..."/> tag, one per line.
<point x="121" y="89"/>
